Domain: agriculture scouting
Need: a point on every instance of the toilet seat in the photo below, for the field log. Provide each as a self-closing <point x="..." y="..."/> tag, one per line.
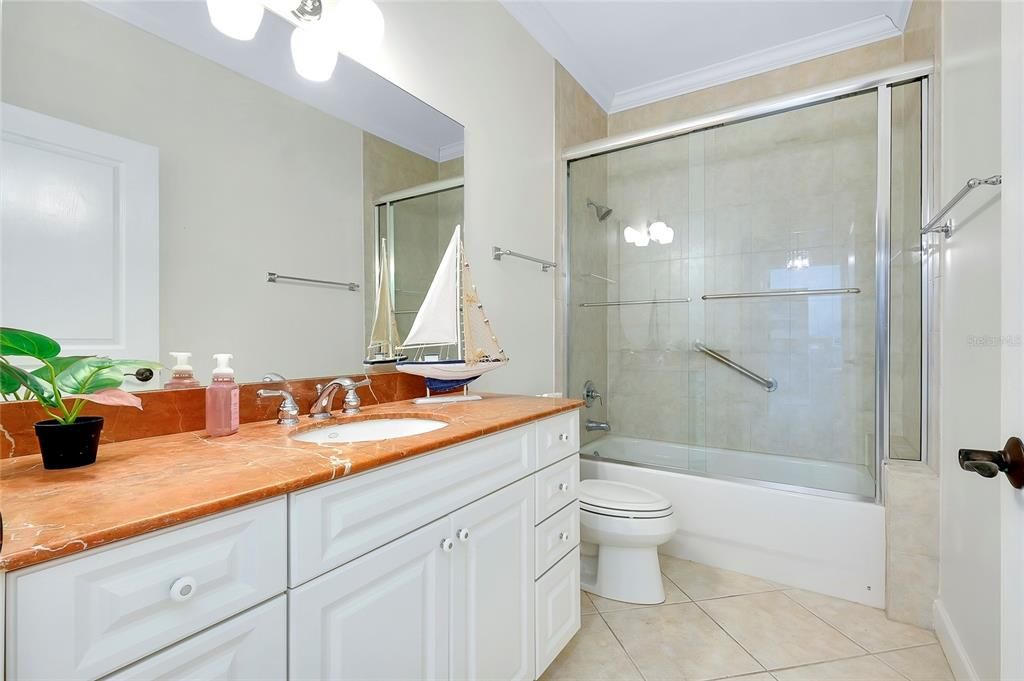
<point x="621" y="500"/>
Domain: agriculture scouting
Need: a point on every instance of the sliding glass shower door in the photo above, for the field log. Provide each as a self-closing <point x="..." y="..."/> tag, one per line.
<point x="729" y="303"/>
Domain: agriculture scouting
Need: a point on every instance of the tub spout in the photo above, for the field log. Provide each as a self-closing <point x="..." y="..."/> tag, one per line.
<point x="597" y="425"/>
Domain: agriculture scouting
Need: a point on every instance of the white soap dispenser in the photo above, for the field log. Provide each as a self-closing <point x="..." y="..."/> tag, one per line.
<point x="182" y="375"/>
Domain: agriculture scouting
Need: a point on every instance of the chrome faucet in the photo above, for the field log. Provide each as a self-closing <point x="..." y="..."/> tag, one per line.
<point x="322" y="406"/>
<point x="597" y="425"/>
<point x="288" y="410"/>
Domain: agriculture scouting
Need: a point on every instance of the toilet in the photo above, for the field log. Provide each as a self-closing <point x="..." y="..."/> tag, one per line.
<point x="622" y="526"/>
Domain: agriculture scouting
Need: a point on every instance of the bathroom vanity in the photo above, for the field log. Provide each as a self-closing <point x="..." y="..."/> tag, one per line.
<point x="450" y="554"/>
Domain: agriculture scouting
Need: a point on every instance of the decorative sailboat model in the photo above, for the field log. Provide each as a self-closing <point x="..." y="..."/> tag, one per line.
<point x="384" y="333"/>
<point x="451" y="342"/>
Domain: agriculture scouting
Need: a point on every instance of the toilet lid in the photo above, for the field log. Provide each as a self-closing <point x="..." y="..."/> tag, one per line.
<point x="619" y="496"/>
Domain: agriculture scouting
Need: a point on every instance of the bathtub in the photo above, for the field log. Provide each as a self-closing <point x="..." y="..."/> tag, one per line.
<point x="785" y="526"/>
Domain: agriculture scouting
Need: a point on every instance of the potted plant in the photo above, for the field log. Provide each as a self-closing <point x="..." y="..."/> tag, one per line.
<point x="67" y="439"/>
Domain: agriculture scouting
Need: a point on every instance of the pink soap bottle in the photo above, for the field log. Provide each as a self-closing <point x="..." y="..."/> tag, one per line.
<point x="222" y="399"/>
<point x="182" y="375"/>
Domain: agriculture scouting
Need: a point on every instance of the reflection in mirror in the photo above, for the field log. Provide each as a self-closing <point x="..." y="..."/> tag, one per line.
<point x="156" y="170"/>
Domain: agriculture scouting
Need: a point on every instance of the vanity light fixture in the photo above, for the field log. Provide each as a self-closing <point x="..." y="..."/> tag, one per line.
<point x="238" y="19"/>
<point x="322" y="29"/>
<point x="661" y="233"/>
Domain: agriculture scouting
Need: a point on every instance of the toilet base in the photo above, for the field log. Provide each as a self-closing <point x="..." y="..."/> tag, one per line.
<point x="629" y="575"/>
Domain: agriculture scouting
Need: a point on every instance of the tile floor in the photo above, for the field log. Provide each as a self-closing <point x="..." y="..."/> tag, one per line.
<point x="717" y="624"/>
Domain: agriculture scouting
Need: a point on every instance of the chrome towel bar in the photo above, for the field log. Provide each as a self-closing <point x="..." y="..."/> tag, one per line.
<point x="497" y="252"/>
<point x="947" y="227"/>
<point x="781" y="292"/>
<point x="617" y="303"/>
<point x="274" y="277"/>
<point x="769" y="384"/>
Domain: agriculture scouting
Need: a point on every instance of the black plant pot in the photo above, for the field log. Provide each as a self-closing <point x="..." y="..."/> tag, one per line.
<point x="69" y="445"/>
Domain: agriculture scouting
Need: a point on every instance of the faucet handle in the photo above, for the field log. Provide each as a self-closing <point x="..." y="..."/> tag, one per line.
<point x="274" y="377"/>
<point x="287" y="411"/>
<point x="349" y="384"/>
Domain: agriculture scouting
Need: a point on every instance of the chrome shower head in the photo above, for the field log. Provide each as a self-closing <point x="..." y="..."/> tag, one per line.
<point x="602" y="211"/>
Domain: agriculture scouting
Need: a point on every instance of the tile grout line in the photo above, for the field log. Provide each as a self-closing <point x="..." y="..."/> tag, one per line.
<point x="731" y="637"/>
<point x="621" y="645"/>
<point x="890" y="666"/>
<point x="822" y="619"/>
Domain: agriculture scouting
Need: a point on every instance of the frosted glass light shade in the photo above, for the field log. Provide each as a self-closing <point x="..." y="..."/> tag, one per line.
<point x="314" y="54"/>
<point x="238" y="19"/>
<point x="358" y="27"/>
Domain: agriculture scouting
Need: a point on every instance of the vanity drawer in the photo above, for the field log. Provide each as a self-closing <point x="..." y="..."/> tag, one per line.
<point x="556" y="486"/>
<point x="557" y="609"/>
<point x="344" y="519"/>
<point x="556" y="536"/>
<point x="252" y="646"/>
<point x="87" y="616"/>
<point x="557" y="438"/>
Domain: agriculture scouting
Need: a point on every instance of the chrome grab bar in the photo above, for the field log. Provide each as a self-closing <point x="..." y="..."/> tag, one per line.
<point x="781" y="292"/>
<point x="769" y="384"/>
<point x="972" y="184"/>
<point x="617" y="303"/>
<point x="274" y="277"/>
<point x="497" y="252"/>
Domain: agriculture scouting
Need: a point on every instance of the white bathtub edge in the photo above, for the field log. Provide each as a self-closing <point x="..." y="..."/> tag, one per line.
<point x="830" y="546"/>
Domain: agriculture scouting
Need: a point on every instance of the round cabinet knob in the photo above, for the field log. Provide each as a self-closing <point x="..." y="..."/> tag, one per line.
<point x="183" y="589"/>
<point x="563" y="487"/>
<point x="564" y="536"/>
<point x="447" y="545"/>
<point x="463" y="534"/>
<point x="564" y="437"/>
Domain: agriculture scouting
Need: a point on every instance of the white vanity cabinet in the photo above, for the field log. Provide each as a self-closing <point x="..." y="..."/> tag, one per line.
<point x="461" y="564"/>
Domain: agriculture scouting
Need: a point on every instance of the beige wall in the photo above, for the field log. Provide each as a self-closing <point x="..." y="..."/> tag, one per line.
<point x="579" y="119"/>
<point x="478" y="65"/>
<point x="250" y="180"/>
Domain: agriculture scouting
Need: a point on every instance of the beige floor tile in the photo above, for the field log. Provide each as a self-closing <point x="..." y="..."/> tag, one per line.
<point x="592" y="654"/>
<point x="586" y="604"/>
<point x="856" y="669"/>
<point x="926" y="663"/>
<point x="868" y="627"/>
<point x="678" y="642"/>
<point x="761" y="676"/>
<point x="778" y="631"/>
<point x="672" y="595"/>
<point x="702" y="581"/>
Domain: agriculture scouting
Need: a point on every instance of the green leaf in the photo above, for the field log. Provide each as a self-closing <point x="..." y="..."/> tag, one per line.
<point x="59" y="364"/>
<point x="9" y="385"/>
<point x="88" y="375"/>
<point x="40" y="388"/>
<point x="27" y="344"/>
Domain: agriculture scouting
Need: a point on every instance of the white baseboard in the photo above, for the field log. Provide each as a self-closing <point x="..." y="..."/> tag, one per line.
<point x="952" y="646"/>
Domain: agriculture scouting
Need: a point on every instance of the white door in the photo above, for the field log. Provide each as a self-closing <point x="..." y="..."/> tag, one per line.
<point x="382" y="616"/>
<point x="1012" y="290"/>
<point x="492" y="587"/>
<point x="80" y="242"/>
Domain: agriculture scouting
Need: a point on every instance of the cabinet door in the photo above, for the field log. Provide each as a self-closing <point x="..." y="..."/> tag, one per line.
<point x="382" y="616"/>
<point x="492" y="597"/>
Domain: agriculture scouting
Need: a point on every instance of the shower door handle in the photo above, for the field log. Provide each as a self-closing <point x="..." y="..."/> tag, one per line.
<point x="1009" y="460"/>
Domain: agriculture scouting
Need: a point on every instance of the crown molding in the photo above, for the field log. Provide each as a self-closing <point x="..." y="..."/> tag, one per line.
<point x="819" y="45"/>
<point x="451" y="151"/>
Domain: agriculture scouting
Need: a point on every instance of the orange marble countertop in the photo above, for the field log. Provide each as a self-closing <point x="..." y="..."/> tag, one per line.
<point x="143" y="485"/>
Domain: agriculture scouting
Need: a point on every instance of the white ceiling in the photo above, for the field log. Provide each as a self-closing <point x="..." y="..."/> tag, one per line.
<point x="627" y="53"/>
<point x="354" y="94"/>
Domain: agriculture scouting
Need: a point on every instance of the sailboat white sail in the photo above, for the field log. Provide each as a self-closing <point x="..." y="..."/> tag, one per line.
<point x="451" y="320"/>
<point x="384" y="333"/>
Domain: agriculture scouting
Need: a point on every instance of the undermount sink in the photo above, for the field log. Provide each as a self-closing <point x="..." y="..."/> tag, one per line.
<point x="369" y="430"/>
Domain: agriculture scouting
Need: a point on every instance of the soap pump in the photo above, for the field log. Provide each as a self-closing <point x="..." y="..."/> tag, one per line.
<point x="182" y="375"/>
<point x="222" y="399"/>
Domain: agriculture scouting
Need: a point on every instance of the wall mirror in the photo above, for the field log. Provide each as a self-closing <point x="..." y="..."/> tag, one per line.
<point x="156" y="170"/>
